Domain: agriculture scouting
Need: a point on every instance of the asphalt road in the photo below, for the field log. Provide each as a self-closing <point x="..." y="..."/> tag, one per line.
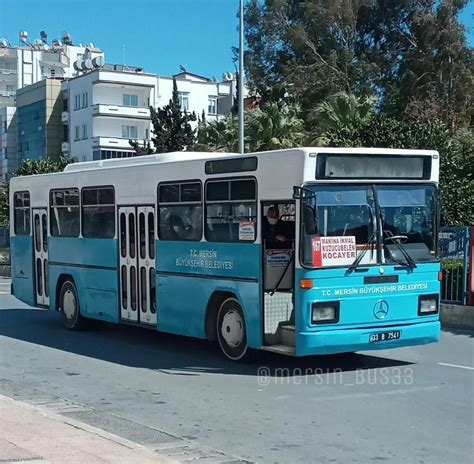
<point x="413" y="405"/>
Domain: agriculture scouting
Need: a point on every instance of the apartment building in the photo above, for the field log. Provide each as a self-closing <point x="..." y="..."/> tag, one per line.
<point x="8" y="140"/>
<point x="107" y="107"/>
<point x="39" y="126"/>
<point x="25" y="65"/>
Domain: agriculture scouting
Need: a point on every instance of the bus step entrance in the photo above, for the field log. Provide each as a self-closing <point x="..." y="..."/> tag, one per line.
<point x="287" y="335"/>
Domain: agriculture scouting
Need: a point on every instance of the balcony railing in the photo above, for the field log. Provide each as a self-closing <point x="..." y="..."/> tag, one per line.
<point x="101" y="109"/>
<point x="113" y="142"/>
<point x="8" y="71"/>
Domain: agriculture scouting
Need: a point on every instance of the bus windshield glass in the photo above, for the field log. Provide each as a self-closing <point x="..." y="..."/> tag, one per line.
<point x="364" y="213"/>
<point x="408" y="212"/>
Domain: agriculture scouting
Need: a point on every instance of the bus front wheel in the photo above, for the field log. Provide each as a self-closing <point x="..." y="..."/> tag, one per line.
<point x="231" y="332"/>
<point x="70" y="308"/>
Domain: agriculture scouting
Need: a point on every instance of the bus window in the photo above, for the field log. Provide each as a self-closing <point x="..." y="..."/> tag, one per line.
<point x="44" y="229"/>
<point x="37" y="233"/>
<point x="21" y="213"/>
<point x="123" y="235"/>
<point x="151" y="235"/>
<point x="131" y="232"/>
<point x="141" y="234"/>
<point x="180" y="211"/>
<point x="231" y="211"/>
<point x="98" y="212"/>
<point x="143" y="293"/>
<point x="152" y="288"/>
<point x="64" y="212"/>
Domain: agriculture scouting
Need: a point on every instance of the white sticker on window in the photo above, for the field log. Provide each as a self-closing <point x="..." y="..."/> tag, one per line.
<point x="333" y="251"/>
<point x="247" y="230"/>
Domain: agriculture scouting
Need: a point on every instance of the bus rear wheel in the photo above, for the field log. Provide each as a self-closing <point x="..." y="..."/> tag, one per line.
<point x="231" y="331"/>
<point x="70" y="308"/>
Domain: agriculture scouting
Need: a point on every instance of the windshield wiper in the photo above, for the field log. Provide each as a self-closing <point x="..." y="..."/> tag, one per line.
<point x="372" y="240"/>
<point x="396" y="240"/>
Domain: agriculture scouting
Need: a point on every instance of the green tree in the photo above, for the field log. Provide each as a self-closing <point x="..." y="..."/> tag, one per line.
<point x="425" y="58"/>
<point x="29" y="168"/>
<point x="171" y="128"/>
<point x="412" y="55"/>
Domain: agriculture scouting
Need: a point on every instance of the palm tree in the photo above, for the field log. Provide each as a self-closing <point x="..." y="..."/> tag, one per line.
<point x="339" y="110"/>
<point x="273" y="127"/>
<point x="221" y="135"/>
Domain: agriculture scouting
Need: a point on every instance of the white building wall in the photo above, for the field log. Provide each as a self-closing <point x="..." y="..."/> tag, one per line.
<point x="105" y="114"/>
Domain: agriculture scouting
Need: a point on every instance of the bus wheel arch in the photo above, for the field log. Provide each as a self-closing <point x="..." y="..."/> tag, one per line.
<point x="69" y="306"/>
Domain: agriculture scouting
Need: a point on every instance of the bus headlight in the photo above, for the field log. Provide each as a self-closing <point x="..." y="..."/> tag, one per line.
<point x="325" y="312"/>
<point x="427" y="304"/>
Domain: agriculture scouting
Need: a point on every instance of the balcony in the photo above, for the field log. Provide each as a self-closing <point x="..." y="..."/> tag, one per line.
<point x="65" y="117"/>
<point x="112" y="143"/>
<point x="7" y="93"/>
<point x="8" y="73"/>
<point x="120" y="111"/>
<point x="65" y="147"/>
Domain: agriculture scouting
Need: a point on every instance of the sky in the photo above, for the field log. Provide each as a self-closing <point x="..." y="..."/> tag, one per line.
<point x="158" y="35"/>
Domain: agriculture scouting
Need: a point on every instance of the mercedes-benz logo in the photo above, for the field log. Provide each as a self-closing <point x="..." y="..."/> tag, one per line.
<point x="381" y="309"/>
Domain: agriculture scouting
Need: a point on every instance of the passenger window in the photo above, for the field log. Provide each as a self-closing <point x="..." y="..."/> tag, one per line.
<point x="180" y="211"/>
<point x="64" y="212"/>
<point x="231" y="211"/>
<point x="21" y="213"/>
<point x="98" y="212"/>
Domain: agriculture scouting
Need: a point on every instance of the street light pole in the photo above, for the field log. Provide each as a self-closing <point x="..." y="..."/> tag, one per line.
<point x="241" y="80"/>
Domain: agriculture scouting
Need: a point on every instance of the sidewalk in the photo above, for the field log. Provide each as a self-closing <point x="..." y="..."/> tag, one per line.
<point x="29" y="434"/>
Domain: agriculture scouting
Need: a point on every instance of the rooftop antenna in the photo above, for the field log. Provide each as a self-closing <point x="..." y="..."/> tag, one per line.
<point x="123" y="55"/>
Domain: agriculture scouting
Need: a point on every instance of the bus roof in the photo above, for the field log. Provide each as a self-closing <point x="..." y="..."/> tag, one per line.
<point x="182" y="156"/>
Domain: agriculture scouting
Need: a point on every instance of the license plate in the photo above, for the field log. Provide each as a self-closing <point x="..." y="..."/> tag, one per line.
<point x="384" y="336"/>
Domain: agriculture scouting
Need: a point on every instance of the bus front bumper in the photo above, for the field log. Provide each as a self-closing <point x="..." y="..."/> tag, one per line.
<point x="351" y="340"/>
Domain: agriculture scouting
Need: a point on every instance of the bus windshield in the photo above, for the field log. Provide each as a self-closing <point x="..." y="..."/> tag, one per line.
<point x="371" y="211"/>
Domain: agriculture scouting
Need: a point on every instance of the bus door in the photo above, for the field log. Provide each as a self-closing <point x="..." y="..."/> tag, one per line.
<point x="137" y="264"/>
<point x="278" y="245"/>
<point x="40" y="239"/>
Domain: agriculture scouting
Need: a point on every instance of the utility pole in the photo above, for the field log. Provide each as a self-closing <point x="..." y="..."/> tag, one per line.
<point x="241" y="80"/>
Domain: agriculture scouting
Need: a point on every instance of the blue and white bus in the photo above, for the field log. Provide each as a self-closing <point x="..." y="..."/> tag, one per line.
<point x="182" y="243"/>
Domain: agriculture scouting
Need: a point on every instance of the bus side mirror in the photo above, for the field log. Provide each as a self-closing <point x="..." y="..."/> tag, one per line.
<point x="301" y="193"/>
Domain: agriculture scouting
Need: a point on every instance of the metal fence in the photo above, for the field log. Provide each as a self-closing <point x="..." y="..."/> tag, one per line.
<point x="454" y="254"/>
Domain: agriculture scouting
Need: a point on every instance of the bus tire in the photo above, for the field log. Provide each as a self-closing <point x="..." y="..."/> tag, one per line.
<point x="231" y="331"/>
<point x="70" y="308"/>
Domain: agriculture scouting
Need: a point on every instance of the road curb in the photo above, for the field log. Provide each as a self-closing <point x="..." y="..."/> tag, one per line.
<point x="457" y="316"/>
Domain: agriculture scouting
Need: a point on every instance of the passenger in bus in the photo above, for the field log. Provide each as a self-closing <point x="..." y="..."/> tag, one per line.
<point x="174" y="228"/>
<point x="276" y="232"/>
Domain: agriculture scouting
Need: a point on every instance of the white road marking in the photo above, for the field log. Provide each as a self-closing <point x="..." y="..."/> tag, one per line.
<point x="457" y="365"/>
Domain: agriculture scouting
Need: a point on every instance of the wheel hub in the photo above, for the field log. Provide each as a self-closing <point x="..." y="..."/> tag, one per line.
<point x="232" y="328"/>
<point x="69" y="304"/>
